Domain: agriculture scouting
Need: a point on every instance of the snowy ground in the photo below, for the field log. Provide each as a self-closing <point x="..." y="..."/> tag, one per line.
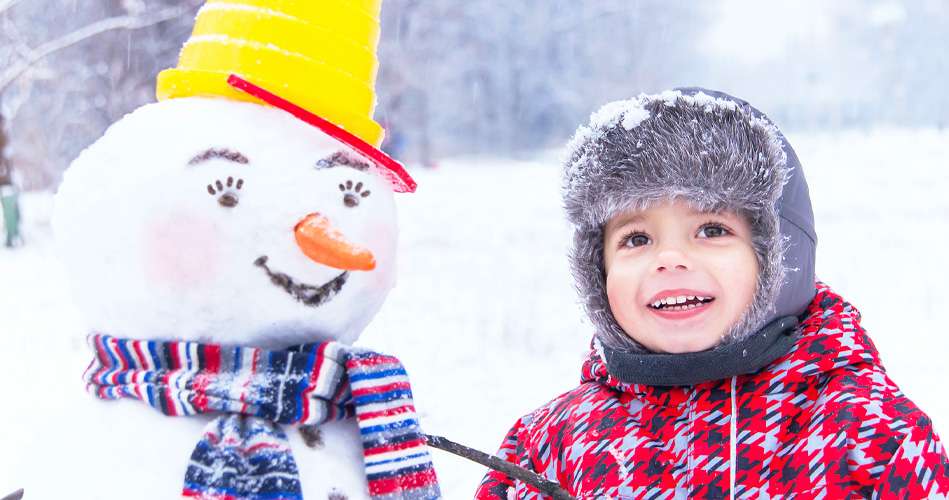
<point x="485" y="317"/>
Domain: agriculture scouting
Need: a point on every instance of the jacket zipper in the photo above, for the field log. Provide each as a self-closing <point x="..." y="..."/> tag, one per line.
<point x="733" y="442"/>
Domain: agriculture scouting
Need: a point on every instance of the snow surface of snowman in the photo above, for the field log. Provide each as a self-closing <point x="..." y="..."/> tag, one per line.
<point x="180" y="223"/>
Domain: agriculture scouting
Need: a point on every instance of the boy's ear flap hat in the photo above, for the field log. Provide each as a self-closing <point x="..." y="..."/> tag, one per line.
<point x="713" y="151"/>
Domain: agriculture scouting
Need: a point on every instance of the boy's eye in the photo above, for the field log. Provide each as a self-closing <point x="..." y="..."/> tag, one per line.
<point x="637" y="240"/>
<point x="712" y="232"/>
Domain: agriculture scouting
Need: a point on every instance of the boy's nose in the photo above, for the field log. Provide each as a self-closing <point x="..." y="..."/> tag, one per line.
<point x="672" y="257"/>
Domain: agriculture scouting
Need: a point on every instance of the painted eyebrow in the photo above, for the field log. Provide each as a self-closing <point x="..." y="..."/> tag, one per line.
<point x="339" y="159"/>
<point x="224" y="154"/>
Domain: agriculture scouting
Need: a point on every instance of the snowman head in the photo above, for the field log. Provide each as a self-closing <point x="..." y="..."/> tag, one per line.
<point x="225" y="222"/>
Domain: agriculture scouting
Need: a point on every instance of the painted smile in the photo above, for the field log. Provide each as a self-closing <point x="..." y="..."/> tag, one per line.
<point x="308" y="295"/>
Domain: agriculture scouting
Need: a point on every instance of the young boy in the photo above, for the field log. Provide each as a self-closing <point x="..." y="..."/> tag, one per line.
<point x="721" y="368"/>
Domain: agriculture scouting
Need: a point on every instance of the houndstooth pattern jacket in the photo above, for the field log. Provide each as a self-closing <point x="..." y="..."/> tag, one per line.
<point x="822" y="422"/>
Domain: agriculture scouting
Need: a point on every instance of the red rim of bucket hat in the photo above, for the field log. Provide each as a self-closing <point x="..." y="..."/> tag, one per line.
<point x="391" y="169"/>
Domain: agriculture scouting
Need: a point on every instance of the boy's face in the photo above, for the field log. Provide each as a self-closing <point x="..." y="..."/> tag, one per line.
<point x="677" y="278"/>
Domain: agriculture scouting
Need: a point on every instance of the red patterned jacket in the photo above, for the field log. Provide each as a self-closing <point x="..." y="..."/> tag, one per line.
<point x="822" y="422"/>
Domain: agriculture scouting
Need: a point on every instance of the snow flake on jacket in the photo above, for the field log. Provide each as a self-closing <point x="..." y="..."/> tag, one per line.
<point x="822" y="422"/>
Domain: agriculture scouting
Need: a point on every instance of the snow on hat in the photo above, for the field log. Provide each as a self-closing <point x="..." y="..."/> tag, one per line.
<point x="717" y="153"/>
<point x="319" y="56"/>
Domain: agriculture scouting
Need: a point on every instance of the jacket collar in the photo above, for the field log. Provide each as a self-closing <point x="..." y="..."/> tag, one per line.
<point x="747" y="356"/>
<point x="829" y="337"/>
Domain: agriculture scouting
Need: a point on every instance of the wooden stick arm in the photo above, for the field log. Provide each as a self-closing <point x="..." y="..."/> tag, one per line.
<point x="521" y="474"/>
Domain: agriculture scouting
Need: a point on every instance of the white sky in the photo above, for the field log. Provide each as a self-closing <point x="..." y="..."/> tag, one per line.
<point x="756" y="31"/>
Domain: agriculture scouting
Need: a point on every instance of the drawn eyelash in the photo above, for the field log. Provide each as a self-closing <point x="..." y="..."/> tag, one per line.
<point x="352" y="194"/>
<point x="229" y="198"/>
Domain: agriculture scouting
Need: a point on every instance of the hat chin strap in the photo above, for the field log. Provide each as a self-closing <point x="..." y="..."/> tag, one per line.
<point x="747" y="356"/>
<point x="392" y="170"/>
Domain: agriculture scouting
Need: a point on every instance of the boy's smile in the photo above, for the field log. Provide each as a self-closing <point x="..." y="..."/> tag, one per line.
<point x="678" y="279"/>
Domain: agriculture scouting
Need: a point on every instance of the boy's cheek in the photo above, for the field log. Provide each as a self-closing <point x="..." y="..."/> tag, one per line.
<point x="621" y="292"/>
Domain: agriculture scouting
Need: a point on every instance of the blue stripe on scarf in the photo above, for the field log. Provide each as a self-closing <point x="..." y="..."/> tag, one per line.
<point x="360" y="376"/>
<point x="298" y="394"/>
<point x="397" y="460"/>
<point x="127" y="359"/>
<point x="394" y="394"/>
<point x="388" y="427"/>
<point x="389" y="474"/>
<point x="370" y="442"/>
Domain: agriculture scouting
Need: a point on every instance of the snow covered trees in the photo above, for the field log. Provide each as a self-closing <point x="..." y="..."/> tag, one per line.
<point x="68" y="68"/>
<point x="470" y="76"/>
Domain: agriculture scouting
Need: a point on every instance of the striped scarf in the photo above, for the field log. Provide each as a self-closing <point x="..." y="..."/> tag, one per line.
<point x="244" y="454"/>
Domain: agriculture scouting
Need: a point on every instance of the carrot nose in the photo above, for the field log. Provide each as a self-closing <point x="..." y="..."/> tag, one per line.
<point x="321" y="242"/>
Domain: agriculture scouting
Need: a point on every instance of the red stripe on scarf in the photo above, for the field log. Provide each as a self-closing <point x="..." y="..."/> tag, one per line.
<point x="390" y="412"/>
<point x="314" y="377"/>
<point x="373" y="361"/>
<point x="258" y="446"/>
<point x="145" y="365"/>
<point x="253" y="370"/>
<point x="212" y="361"/>
<point x="175" y="357"/>
<point x="402" y="483"/>
<point x="124" y="364"/>
<point x="106" y="367"/>
<point x="376" y="389"/>
<point x="200" y="495"/>
<point x="395" y="447"/>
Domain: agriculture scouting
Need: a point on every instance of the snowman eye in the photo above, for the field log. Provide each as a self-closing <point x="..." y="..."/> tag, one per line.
<point x="352" y="193"/>
<point x="228" y="192"/>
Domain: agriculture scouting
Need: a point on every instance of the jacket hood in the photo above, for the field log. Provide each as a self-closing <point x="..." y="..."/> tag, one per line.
<point x="828" y="338"/>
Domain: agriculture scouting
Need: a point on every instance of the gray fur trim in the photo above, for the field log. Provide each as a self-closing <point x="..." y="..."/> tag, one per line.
<point x="712" y="153"/>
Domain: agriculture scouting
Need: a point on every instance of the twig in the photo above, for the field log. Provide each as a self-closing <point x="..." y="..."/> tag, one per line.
<point x="521" y="474"/>
<point x="16" y="495"/>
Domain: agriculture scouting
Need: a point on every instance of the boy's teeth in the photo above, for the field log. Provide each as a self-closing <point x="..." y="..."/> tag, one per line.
<point x="672" y="303"/>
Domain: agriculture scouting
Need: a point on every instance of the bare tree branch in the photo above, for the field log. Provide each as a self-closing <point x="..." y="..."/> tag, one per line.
<point x="113" y="23"/>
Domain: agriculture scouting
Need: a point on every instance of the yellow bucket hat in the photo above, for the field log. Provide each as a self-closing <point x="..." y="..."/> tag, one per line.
<point x="318" y="55"/>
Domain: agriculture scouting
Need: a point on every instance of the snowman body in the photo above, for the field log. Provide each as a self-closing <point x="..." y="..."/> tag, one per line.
<point x="123" y="450"/>
<point x="182" y="223"/>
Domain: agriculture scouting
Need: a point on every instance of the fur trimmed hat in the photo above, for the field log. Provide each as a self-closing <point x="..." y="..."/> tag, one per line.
<point x="716" y="153"/>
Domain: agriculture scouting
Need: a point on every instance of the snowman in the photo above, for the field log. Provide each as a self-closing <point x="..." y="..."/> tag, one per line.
<point x="227" y="245"/>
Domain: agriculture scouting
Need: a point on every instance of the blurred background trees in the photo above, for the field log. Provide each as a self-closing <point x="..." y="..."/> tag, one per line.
<point x="499" y="76"/>
<point x="69" y="68"/>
